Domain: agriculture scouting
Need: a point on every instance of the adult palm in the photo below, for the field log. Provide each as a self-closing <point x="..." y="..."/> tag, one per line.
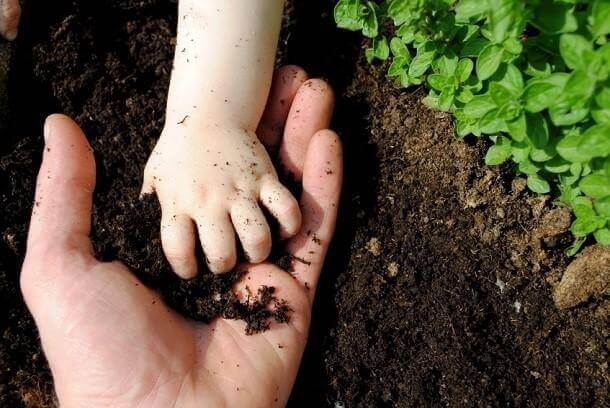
<point x="111" y="341"/>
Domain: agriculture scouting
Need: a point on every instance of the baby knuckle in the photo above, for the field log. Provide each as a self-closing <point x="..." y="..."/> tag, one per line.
<point x="289" y="209"/>
<point x="178" y="254"/>
<point x="258" y="240"/>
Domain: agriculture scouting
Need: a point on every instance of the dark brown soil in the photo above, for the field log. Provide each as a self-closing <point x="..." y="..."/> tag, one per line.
<point x="436" y="289"/>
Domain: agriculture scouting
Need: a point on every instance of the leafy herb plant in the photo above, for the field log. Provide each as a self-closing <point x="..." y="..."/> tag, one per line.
<point x="532" y="75"/>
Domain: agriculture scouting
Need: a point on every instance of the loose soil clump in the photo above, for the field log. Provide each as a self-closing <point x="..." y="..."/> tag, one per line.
<point x="438" y="287"/>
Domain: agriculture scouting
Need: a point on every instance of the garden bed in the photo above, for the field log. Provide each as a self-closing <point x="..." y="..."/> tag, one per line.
<point x="438" y="286"/>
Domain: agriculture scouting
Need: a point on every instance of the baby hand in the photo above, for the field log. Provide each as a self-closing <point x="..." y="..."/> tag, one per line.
<point x="216" y="176"/>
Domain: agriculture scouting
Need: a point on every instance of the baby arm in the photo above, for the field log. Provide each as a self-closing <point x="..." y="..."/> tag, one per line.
<point x="208" y="166"/>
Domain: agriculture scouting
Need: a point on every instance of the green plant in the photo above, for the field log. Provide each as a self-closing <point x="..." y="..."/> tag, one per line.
<point x="532" y="75"/>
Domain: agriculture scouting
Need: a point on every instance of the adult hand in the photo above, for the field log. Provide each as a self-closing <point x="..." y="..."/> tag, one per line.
<point x="111" y="341"/>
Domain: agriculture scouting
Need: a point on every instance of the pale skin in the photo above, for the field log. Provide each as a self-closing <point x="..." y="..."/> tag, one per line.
<point x="110" y="341"/>
<point x="10" y="13"/>
<point x="209" y="170"/>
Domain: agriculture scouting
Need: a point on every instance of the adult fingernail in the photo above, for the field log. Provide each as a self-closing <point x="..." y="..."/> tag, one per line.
<point x="47" y="130"/>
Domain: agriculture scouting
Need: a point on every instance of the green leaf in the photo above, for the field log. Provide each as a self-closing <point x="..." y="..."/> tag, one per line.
<point x="543" y="155"/>
<point x="601" y="116"/>
<point x="489" y="61"/>
<point x="500" y="94"/>
<point x="510" y="77"/>
<point x="537" y="63"/>
<point x="513" y="46"/>
<point x="510" y="111"/>
<point x="406" y="33"/>
<point x="405" y="80"/>
<point x="595" y="185"/>
<point x="602" y="98"/>
<point x="348" y="14"/>
<point x="602" y="206"/>
<point x="398" y="66"/>
<point x="370" y="25"/>
<point x="464" y="127"/>
<point x="557" y="165"/>
<point x="499" y="152"/>
<point x="528" y="167"/>
<point x="576" y="171"/>
<point x="579" y="88"/>
<point x="553" y="17"/>
<point x="491" y="123"/>
<point x="602" y="236"/>
<point x="540" y="94"/>
<point x="437" y="81"/>
<point x="399" y="48"/>
<point x="399" y="11"/>
<point x="600" y="18"/>
<point x="582" y="201"/>
<point x="464" y="70"/>
<point x="445" y="100"/>
<point x="601" y="109"/>
<point x="583" y="209"/>
<point x="567" y="116"/>
<point x="469" y="9"/>
<point x="502" y="15"/>
<point x="464" y="95"/>
<point x="538" y="185"/>
<point x="518" y="128"/>
<point x="595" y="142"/>
<point x="521" y="152"/>
<point x="585" y="226"/>
<point x="422" y="61"/>
<point x="537" y="130"/>
<point x="573" y="48"/>
<point x="467" y="32"/>
<point x="380" y="50"/>
<point x="474" y="47"/>
<point x="569" y="149"/>
<point x="479" y="106"/>
<point x="446" y="63"/>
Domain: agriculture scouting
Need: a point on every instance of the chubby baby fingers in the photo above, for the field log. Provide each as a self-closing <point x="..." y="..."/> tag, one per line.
<point x="218" y="240"/>
<point x="280" y="202"/>
<point x="178" y="240"/>
<point x="252" y="229"/>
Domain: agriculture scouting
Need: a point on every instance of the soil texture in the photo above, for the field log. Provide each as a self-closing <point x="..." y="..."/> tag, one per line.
<point x="437" y="291"/>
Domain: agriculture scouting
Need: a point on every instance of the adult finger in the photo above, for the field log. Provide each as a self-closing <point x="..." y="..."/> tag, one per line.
<point x="61" y="218"/>
<point x="311" y="112"/>
<point x="10" y="13"/>
<point x="322" y="180"/>
<point x="286" y="82"/>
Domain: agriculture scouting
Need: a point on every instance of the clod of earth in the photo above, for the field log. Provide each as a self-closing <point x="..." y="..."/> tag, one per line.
<point x="587" y="276"/>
